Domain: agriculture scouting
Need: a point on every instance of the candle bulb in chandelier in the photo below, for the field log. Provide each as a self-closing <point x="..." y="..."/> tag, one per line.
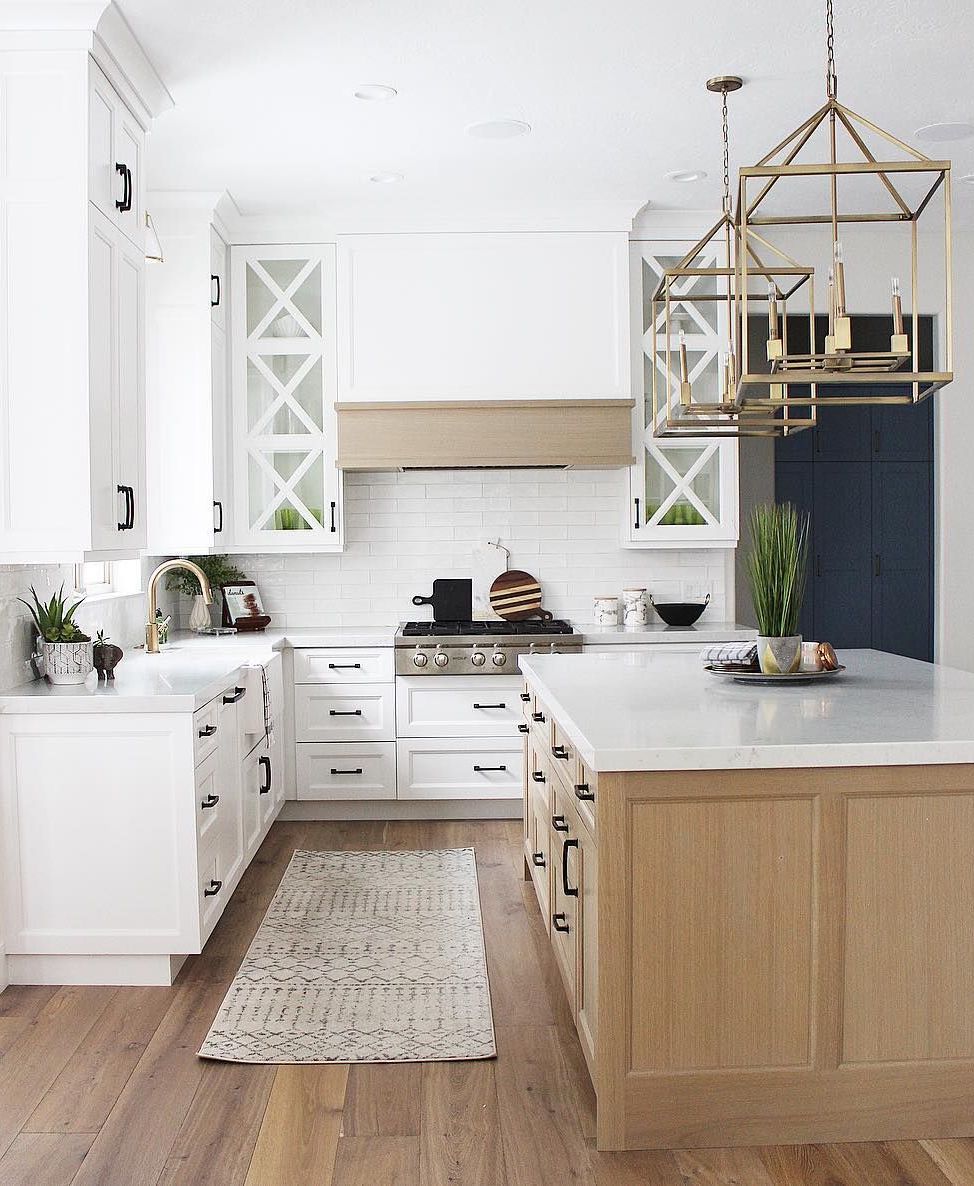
<point x="684" y="372"/>
<point x="772" y="311"/>
<point x="898" y="342"/>
<point x="839" y="270"/>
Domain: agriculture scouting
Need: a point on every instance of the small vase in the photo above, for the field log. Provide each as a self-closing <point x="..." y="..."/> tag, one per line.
<point x="199" y="619"/>
<point x="67" y="662"/>
<point x="780" y="656"/>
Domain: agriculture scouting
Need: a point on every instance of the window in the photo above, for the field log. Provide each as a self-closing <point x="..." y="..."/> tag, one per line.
<point x="103" y="578"/>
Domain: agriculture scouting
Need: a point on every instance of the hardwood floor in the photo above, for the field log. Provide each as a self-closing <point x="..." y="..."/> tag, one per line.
<point x="102" y="1086"/>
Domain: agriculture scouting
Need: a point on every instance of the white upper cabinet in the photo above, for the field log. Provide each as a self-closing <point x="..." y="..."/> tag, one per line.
<point x="286" y="485"/>
<point x="483" y="316"/>
<point x="683" y="492"/>
<point x="116" y="151"/>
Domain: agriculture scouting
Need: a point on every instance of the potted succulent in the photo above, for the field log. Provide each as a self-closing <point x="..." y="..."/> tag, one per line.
<point x="219" y="570"/>
<point x="776" y="569"/>
<point x="65" y="647"/>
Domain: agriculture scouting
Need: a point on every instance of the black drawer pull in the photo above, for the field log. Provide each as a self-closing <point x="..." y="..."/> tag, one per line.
<point x="558" y="823"/>
<point x="129" y="494"/>
<point x="213" y="889"/>
<point x="538" y="858"/>
<point x="487" y="769"/>
<point x="537" y="776"/>
<point x="523" y="729"/>
<point x="582" y="792"/>
<point x="209" y="801"/>
<point x="341" y="712"/>
<point x="559" y="751"/>
<point x="124" y="204"/>
<point x="501" y="705"/>
<point x="214" y="295"/>
<point x="566" y="845"/>
<point x="238" y="694"/>
<point x="560" y="922"/>
<point x="537" y="716"/>
<point x="265" y="762"/>
<point x="218" y="506"/>
<point x="344" y="666"/>
<point x="333" y="527"/>
<point x="636" y="523"/>
<point x="357" y="770"/>
<point x="526" y="697"/>
<point x="207" y="731"/>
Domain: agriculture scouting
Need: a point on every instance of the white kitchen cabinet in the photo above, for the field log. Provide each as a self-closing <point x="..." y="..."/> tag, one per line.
<point x="287" y="492"/>
<point x="344" y="712"/>
<point x="458" y="706"/>
<point x="353" y="770"/>
<point x="683" y="492"/>
<point x="483" y="316"/>
<point x="344" y="665"/>
<point x="459" y="768"/>
<point x="116" y="154"/>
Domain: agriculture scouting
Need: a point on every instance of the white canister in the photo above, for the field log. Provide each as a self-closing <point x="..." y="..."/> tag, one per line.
<point x="607" y="611"/>
<point x="635" y="611"/>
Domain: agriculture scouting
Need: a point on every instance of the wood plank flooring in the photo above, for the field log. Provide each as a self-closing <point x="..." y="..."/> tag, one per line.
<point x="102" y="1086"/>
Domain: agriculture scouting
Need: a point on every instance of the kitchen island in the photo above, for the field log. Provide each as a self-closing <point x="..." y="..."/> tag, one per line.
<point x="761" y="900"/>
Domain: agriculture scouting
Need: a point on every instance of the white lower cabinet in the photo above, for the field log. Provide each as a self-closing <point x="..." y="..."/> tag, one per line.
<point x="455" y="768"/>
<point x="343" y="712"/>
<point x="458" y="706"/>
<point x="347" y="770"/>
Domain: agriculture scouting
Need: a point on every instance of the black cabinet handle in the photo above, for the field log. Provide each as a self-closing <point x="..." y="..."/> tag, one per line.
<point x="560" y="922"/>
<point x="558" y="823"/>
<point x="566" y="845"/>
<point x="333" y="527"/>
<point x="559" y="751"/>
<point x="265" y="762"/>
<point x="818" y="565"/>
<point x="876" y="440"/>
<point x="537" y="776"/>
<point x="526" y="697"/>
<point x="344" y="666"/>
<point x="207" y="731"/>
<point x="357" y="770"/>
<point x="128" y="494"/>
<point x="538" y="858"/>
<point x="337" y="712"/>
<point x="877" y="565"/>
<point x="214" y="299"/>
<point x="636" y="523"/>
<point x="501" y="705"/>
<point x="523" y="729"/>
<point x="537" y="716"/>
<point x="214" y="888"/>
<point x="582" y="791"/>
<point x="238" y="694"/>
<point x="487" y="769"/>
<point x="209" y="801"/>
<point x="124" y="204"/>
<point x="218" y="507"/>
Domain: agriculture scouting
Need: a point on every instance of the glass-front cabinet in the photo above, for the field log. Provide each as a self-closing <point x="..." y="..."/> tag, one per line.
<point x="287" y="489"/>
<point x="683" y="492"/>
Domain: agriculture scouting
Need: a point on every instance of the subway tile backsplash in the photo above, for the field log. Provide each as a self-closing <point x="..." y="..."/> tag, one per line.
<point x="402" y="530"/>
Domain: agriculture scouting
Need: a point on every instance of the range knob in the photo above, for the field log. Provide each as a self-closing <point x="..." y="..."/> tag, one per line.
<point x="498" y="658"/>
<point x="441" y="658"/>
<point x="478" y="658"/>
<point x="420" y="659"/>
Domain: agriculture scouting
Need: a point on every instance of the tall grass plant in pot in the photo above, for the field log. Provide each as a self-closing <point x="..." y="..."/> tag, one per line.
<point x="776" y="568"/>
<point x="66" y="648"/>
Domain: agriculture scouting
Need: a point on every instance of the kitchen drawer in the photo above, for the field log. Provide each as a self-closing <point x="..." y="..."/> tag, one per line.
<point x="563" y="858"/>
<point x="349" y="770"/>
<point x="563" y="756"/>
<point x="538" y="772"/>
<point x="210" y="804"/>
<point x="585" y="788"/>
<point x="213" y="889"/>
<point x="206" y="733"/>
<point x="538" y="825"/>
<point x="344" y="712"/>
<point x="526" y="699"/>
<point x="458" y="706"/>
<point x="461" y="768"/>
<point x="344" y="665"/>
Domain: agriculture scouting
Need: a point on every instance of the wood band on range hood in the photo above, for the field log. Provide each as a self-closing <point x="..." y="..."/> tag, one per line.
<point x="589" y="434"/>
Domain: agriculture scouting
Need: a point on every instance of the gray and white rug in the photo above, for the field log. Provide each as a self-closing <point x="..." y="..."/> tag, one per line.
<point x="363" y="957"/>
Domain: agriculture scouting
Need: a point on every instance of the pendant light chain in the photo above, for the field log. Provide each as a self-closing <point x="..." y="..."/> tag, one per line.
<point x="831" y="78"/>
<point x="727" y="201"/>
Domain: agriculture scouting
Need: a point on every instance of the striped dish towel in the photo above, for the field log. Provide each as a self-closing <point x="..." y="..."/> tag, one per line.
<point x="744" y="653"/>
<point x="268" y="713"/>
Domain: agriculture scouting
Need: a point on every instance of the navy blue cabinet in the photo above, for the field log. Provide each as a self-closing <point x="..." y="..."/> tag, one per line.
<point x="902" y="498"/>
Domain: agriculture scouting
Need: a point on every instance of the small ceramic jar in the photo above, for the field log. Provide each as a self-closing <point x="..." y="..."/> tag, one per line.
<point x="607" y="611"/>
<point x="635" y="611"/>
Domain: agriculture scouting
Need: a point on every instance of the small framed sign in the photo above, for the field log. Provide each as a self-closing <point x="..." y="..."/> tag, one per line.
<point x="242" y="607"/>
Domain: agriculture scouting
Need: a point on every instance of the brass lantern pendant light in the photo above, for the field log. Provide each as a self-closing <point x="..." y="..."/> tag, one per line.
<point x="703" y="289"/>
<point x="857" y="198"/>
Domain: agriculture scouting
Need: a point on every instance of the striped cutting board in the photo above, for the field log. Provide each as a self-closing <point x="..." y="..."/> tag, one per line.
<point x="516" y="595"/>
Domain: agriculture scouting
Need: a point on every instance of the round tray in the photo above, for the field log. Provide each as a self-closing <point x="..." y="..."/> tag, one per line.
<point x="759" y="677"/>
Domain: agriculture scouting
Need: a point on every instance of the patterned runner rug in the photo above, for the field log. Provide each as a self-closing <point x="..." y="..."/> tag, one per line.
<point x="363" y="957"/>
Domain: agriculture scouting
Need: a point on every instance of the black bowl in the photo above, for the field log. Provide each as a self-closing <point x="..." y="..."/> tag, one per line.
<point x="680" y="613"/>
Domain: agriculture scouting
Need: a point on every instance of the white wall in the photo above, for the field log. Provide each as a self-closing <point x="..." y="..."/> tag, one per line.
<point x="402" y="530"/>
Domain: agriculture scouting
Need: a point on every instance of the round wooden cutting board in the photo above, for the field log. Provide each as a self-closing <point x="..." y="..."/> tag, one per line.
<point x="516" y="595"/>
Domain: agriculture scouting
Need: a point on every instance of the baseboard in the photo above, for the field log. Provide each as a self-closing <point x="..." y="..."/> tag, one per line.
<point x="392" y="809"/>
<point x="131" y="970"/>
<point x="4" y="978"/>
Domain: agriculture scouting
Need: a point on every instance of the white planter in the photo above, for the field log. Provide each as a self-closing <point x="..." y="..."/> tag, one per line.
<point x="67" y="662"/>
<point x="780" y="656"/>
<point x="199" y="618"/>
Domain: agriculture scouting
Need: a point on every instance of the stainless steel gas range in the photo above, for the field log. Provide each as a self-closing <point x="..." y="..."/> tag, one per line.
<point x="478" y="648"/>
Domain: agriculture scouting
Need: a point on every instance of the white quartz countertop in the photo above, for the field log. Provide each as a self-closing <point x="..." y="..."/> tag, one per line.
<point x="653" y="711"/>
<point x="658" y="632"/>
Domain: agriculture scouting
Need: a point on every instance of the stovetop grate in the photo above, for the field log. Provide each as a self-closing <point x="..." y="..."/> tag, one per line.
<point x="460" y="629"/>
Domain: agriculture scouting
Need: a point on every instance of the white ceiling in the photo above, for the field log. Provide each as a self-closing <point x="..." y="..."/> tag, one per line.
<point x="614" y="92"/>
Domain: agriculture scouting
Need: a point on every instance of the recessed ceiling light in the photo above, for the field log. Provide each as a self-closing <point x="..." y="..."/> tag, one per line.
<point x="943" y="132"/>
<point x="685" y="176"/>
<point x="499" y="129"/>
<point x="969" y="178"/>
<point x="375" y="91"/>
<point x="386" y="178"/>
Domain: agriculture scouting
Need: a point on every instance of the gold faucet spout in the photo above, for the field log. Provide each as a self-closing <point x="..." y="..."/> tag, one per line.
<point x="151" y="626"/>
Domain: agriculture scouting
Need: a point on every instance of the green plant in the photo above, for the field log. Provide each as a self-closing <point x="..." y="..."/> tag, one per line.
<point x="55" y="619"/>
<point x="219" y="570"/>
<point x="776" y="567"/>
